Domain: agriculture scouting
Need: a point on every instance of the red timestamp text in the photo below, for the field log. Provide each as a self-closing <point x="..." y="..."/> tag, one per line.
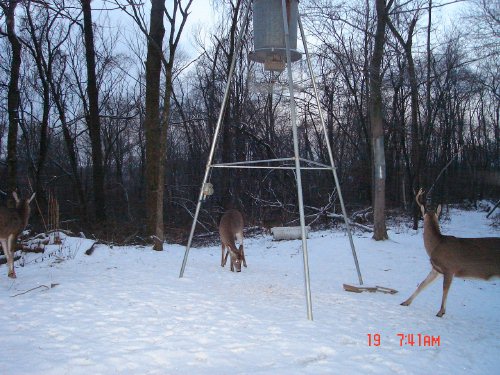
<point x="407" y="339"/>
<point x="374" y="339"/>
<point x="418" y="339"/>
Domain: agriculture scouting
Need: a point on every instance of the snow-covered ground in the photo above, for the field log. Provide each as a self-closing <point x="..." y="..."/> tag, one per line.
<point x="123" y="310"/>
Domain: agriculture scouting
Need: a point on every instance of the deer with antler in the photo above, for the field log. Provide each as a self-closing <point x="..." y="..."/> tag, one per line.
<point x="451" y="256"/>
<point x="12" y="222"/>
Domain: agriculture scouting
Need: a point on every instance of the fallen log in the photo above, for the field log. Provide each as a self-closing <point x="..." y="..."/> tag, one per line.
<point x="371" y="289"/>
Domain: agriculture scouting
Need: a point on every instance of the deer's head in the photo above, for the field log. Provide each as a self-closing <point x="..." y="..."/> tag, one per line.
<point x="236" y="257"/>
<point x="427" y="210"/>
<point x="23" y="206"/>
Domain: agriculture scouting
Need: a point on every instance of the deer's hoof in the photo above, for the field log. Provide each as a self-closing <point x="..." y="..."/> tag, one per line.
<point x="12" y="275"/>
<point x="405" y="303"/>
<point x="440" y="314"/>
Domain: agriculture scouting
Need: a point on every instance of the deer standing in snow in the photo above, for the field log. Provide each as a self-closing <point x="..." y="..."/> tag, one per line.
<point x="451" y="256"/>
<point x="231" y="228"/>
<point x="12" y="222"/>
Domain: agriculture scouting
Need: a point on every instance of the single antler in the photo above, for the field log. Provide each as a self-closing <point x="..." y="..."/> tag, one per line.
<point x="417" y="199"/>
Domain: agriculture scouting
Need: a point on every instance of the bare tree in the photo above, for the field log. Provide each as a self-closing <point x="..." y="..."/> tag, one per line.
<point x="345" y="31"/>
<point x="43" y="37"/>
<point x="57" y="76"/>
<point x="416" y="137"/>
<point x="377" y="122"/>
<point x="156" y="121"/>
<point x="483" y="24"/>
<point x="228" y="131"/>
<point x="93" y="120"/>
<point x="9" y="9"/>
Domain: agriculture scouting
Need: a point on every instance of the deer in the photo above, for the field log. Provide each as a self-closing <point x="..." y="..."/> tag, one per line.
<point x="12" y="223"/>
<point x="231" y="228"/>
<point x="477" y="258"/>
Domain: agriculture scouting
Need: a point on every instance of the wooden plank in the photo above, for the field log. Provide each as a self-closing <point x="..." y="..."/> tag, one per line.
<point x="360" y="289"/>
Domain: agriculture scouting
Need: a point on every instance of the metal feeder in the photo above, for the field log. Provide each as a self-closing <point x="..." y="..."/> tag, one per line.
<point x="269" y="33"/>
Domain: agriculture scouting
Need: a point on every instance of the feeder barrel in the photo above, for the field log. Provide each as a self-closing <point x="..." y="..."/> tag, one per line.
<point x="269" y="33"/>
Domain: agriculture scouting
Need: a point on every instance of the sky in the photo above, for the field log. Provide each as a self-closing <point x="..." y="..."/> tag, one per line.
<point x="201" y="15"/>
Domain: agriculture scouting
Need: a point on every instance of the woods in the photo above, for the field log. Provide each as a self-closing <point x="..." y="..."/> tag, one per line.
<point x="117" y="125"/>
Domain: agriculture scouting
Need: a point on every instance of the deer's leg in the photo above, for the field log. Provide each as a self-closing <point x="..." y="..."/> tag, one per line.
<point x="448" y="278"/>
<point x="429" y="279"/>
<point x="225" y="258"/>
<point x="239" y="238"/>
<point x="7" y="254"/>
<point x="10" y="250"/>
<point x="243" y="256"/>
<point x="222" y="260"/>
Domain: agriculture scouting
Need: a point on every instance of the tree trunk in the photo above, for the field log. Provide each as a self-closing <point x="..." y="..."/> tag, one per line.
<point x="37" y="53"/>
<point x="13" y="95"/>
<point x="377" y="124"/>
<point x="228" y="190"/>
<point x="415" y="133"/>
<point x="155" y="136"/>
<point x="93" y="120"/>
<point x="69" y="142"/>
<point x="416" y="177"/>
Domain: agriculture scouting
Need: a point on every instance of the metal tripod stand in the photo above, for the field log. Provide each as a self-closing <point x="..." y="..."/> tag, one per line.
<point x="299" y="163"/>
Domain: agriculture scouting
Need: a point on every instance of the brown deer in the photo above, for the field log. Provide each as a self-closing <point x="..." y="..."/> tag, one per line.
<point x="231" y="228"/>
<point x="12" y="222"/>
<point x="453" y="256"/>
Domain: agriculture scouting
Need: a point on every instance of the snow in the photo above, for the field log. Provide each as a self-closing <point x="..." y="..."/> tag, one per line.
<point x="124" y="310"/>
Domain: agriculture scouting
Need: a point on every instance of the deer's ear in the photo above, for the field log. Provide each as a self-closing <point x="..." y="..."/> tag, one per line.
<point x="16" y="198"/>
<point x="438" y="211"/>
